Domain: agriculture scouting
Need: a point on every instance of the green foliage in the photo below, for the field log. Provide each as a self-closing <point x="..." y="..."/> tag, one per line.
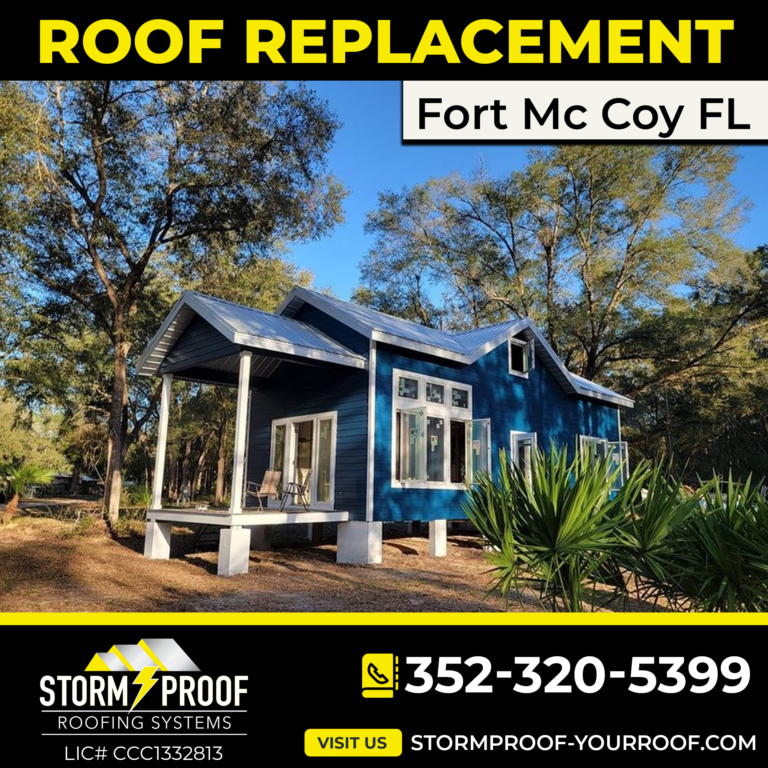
<point x="656" y="539"/>
<point x="624" y="256"/>
<point x="30" y="436"/>
<point x="721" y="551"/>
<point x="110" y="191"/>
<point x="20" y="478"/>
<point x="137" y="497"/>
<point x="557" y="530"/>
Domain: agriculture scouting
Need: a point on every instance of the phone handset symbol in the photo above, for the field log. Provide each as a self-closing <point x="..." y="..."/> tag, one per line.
<point x="376" y="675"/>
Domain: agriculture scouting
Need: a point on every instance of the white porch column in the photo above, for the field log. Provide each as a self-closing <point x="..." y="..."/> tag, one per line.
<point x="162" y="440"/>
<point x="438" y="538"/>
<point x="241" y="430"/>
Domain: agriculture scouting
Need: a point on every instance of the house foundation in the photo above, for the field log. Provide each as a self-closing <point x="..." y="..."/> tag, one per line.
<point x="234" y="551"/>
<point x="359" y="543"/>
<point x="438" y="538"/>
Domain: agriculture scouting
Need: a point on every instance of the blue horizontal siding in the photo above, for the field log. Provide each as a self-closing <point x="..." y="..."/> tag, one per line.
<point x="303" y="391"/>
<point x="537" y="404"/>
<point x="199" y="343"/>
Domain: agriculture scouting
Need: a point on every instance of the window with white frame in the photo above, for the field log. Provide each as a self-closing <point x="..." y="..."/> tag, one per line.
<point x="436" y="442"/>
<point x="523" y="445"/>
<point x="599" y="449"/>
<point x="522" y="356"/>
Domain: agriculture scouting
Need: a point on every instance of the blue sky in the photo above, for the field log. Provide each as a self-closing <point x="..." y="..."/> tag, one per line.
<point x="368" y="157"/>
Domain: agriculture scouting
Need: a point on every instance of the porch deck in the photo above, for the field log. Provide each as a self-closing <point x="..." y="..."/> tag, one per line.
<point x="248" y="517"/>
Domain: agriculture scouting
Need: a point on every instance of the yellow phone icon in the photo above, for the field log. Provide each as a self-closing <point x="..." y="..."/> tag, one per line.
<point x="376" y="675"/>
<point x="379" y="675"/>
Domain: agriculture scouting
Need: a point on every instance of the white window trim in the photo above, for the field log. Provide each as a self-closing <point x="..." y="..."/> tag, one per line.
<point x="513" y="442"/>
<point x="289" y="449"/>
<point x="531" y="347"/>
<point x="445" y="411"/>
<point x="514" y="436"/>
<point x="587" y="440"/>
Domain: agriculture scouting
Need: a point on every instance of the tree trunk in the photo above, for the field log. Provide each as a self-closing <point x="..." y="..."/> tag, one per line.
<point x="117" y="430"/>
<point x="221" y="466"/>
<point x="10" y="508"/>
<point x="75" y="481"/>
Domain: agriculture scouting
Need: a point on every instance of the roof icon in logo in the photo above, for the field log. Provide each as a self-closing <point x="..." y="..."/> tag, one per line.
<point x="164" y="654"/>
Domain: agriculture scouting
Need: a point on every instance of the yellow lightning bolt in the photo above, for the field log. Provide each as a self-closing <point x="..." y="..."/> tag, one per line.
<point x="144" y="678"/>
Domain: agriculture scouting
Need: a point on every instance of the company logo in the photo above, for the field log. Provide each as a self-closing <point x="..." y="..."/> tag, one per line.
<point x="145" y="658"/>
<point x="151" y="661"/>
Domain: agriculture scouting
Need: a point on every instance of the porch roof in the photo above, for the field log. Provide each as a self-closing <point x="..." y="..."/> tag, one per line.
<point x="275" y="336"/>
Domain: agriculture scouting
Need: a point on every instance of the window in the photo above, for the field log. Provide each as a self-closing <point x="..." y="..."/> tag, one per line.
<point x="408" y="388"/>
<point x="599" y="449"/>
<point x="435" y="393"/>
<point x="412" y="445"/>
<point x="460" y="397"/>
<point x="524" y="452"/>
<point x="436" y="443"/>
<point x="522" y="357"/>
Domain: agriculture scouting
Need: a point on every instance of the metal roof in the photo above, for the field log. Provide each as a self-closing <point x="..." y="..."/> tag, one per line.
<point x="247" y="327"/>
<point x="366" y="320"/>
<point x="465" y="347"/>
<point x="282" y="334"/>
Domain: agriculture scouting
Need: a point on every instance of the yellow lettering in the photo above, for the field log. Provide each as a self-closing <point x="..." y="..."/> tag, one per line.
<point x="175" y="44"/>
<point x="64" y="47"/>
<point x="123" y="41"/>
<point x="617" y="40"/>
<point x="436" y="29"/>
<point x="255" y="47"/>
<point x="559" y="39"/>
<point x="342" y="46"/>
<point x="660" y="35"/>
<point x="385" y="46"/>
<point x="300" y="40"/>
<point x="517" y="42"/>
<point x="468" y="41"/>
<point x="714" y="28"/>
<point x="196" y="40"/>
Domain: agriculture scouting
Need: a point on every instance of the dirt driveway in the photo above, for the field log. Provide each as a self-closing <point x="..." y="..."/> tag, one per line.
<point x="48" y="565"/>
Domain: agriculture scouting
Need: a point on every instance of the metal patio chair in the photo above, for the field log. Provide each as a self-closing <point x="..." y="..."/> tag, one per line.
<point x="298" y="490"/>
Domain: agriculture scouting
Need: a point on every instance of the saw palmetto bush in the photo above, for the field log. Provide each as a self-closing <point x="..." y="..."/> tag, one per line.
<point x="19" y="479"/>
<point x="554" y="530"/>
<point x="564" y="530"/>
<point x="654" y="510"/>
<point x="721" y="561"/>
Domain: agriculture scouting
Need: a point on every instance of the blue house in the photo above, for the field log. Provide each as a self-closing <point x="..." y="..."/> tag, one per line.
<point x="368" y="419"/>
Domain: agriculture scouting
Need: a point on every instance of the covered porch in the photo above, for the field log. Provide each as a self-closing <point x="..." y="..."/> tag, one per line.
<point x="212" y="341"/>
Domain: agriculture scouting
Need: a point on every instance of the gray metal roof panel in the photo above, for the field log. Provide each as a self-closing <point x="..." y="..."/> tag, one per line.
<point x="373" y="320"/>
<point x="255" y="322"/>
<point x="250" y="328"/>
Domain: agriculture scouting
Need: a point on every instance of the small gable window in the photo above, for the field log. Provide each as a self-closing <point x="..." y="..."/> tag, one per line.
<point x="522" y="357"/>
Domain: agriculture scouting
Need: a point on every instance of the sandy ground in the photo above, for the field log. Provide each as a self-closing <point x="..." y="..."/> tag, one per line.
<point x="50" y="565"/>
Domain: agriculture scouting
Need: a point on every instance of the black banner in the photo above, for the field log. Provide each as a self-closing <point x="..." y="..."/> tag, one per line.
<point x="493" y="692"/>
<point x="385" y="47"/>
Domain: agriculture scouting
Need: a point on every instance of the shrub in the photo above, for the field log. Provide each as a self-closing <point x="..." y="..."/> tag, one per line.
<point x="555" y="531"/>
<point x="564" y="529"/>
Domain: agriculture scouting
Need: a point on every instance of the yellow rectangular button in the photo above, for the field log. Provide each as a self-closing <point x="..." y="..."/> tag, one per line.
<point x="353" y="742"/>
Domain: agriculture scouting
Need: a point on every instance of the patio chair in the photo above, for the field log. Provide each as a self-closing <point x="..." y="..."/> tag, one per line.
<point x="266" y="489"/>
<point x="298" y="490"/>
